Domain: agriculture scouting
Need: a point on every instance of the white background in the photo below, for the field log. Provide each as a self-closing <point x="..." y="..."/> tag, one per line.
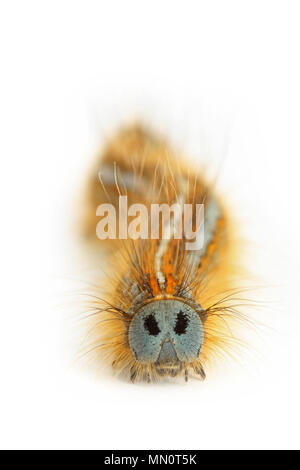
<point x="220" y="78"/>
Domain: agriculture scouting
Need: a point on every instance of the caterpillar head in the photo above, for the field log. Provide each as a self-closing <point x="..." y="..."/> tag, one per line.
<point x="166" y="333"/>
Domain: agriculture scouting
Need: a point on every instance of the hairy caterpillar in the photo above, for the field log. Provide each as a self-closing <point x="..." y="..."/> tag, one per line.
<point x="166" y="311"/>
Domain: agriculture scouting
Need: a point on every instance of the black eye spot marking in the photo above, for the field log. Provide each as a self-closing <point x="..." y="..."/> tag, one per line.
<point x="181" y="323"/>
<point x="151" y="325"/>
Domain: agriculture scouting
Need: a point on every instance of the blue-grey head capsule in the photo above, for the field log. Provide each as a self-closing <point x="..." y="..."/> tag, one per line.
<point x="166" y="331"/>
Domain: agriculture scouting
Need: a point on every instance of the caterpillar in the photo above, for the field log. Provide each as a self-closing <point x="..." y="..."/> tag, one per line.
<point x="164" y="310"/>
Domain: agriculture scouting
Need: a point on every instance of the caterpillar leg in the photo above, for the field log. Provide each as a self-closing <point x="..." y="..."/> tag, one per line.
<point x="133" y="375"/>
<point x="198" y="369"/>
